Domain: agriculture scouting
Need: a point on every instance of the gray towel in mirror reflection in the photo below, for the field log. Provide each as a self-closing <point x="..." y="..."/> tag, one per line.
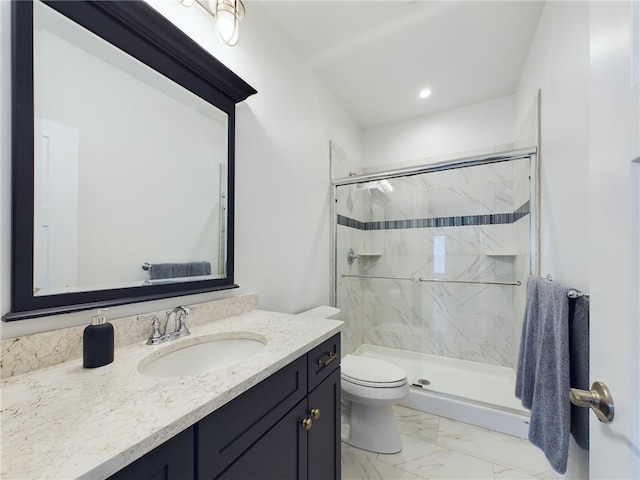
<point x="179" y="270"/>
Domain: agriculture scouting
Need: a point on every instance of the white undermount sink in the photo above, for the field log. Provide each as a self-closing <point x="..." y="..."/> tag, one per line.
<point x="202" y="354"/>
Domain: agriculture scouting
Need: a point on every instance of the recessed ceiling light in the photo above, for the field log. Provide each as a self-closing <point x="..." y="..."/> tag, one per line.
<point x="424" y="93"/>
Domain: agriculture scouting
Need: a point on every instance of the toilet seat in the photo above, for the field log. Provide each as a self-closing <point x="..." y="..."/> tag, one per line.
<point x="371" y="372"/>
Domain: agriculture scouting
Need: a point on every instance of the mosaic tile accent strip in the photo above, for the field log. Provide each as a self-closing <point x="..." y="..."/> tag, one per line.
<point x="438" y="222"/>
<point x="350" y="222"/>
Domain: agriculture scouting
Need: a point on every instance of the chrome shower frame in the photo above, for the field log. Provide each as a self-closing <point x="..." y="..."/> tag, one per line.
<point x="531" y="153"/>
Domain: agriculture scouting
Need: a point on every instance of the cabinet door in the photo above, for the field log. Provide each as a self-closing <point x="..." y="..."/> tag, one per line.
<point x="281" y="454"/>
<point x="227" y="433"/>
<point x="324" y="436"/>
<point x="173" y="460"/>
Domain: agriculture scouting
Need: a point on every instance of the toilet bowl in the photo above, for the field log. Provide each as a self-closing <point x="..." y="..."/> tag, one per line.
<point x="370" y="387"/>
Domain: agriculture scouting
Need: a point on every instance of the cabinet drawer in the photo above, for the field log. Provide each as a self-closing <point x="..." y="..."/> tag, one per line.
<point x="229" y="431"/>
<point x="323" y="360"/>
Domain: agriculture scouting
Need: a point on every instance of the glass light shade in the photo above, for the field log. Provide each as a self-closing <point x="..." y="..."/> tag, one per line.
<point x="227" y="14"/>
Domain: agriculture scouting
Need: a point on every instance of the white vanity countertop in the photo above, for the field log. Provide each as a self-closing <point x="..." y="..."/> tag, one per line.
<point x="69" y="422"/>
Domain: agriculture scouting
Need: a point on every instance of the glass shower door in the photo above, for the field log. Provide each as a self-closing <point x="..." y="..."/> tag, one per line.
<point x="430" y="263"/>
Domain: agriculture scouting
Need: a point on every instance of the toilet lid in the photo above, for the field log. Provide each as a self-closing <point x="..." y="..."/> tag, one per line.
<point x="371" y="372"/>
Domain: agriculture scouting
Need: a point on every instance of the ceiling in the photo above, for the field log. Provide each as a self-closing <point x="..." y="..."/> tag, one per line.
<point x="376" y="56"/>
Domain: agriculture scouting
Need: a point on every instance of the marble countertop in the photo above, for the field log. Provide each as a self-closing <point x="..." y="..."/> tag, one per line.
<point x="69" y="422"/>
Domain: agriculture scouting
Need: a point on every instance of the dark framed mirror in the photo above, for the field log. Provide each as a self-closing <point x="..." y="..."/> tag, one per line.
<point x="122" y="158"/>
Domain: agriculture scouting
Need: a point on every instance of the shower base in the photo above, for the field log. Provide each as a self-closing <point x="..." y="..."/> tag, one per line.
<point x="470" y="392"/>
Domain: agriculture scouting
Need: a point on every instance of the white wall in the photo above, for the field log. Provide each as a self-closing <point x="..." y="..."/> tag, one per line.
<point x="472" y="128"/>
<point x="282" y="170"/>
<point x="558" y="65"/>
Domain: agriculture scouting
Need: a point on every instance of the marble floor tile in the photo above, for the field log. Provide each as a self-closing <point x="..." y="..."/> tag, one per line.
<point x="506" y="473"/>
<point x="412" y="449"/>
<point x="441" y="463"/>
<point x="416" y="424"/>
<point x="494" y="447"/>
<point x="348" y="449"/>
<point x="359" y="466"/>
<point x="439" y="448"/>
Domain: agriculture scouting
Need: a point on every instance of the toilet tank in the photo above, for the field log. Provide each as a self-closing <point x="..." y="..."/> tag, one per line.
<point x="323" y="311"/>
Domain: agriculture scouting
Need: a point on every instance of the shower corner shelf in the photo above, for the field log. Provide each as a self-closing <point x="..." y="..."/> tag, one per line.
<point x="351" y="255"/>
<point x="501" y="253"/>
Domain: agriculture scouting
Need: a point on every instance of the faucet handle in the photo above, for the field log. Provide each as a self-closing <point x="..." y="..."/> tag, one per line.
<point x="186" y="309"/>
<point x="156" y="337"/>
<point x="181" y="328"/>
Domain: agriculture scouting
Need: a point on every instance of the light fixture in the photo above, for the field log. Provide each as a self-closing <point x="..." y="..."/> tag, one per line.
<point x="227" y="15"/>
<point x="424" y="93"/>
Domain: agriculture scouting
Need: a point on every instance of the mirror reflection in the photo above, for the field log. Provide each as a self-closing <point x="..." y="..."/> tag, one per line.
<point x="130" y="169"/>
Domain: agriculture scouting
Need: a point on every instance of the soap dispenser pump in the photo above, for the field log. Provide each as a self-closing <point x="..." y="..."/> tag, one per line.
<point x="97" y="342"/>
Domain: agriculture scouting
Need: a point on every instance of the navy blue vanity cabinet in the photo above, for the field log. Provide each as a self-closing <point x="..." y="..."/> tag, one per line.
<point x="304" y="443"/>
<point x="173" y="460"/>
<point x="285" y="427"/>
<point x="234" y="438"/>
<point x="323" y="441"/>
<point x="279" y="454"/>
<point x="323" y="402"/>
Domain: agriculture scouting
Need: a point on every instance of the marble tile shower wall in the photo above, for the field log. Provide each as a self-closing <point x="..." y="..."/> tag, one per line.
<point x="471" y="322"/>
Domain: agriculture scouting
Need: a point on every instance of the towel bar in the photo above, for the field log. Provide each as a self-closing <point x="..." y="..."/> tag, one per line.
<point x="517" y="283"/>
<point x="576" y="294"/>
<point x="572" y="293"/>
<point x="384" y="277"/>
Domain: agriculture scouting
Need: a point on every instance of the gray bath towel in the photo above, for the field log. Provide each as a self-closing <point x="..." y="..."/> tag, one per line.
<point x="161" y="270"/>
<point x="198" y="268"/>
<point x="178" y="270"/>
<point x="579" y="366"/>
<point x="542" y="380"/>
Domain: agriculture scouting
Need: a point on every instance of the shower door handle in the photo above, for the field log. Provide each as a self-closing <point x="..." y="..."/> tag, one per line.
<point x="598" y="399"/>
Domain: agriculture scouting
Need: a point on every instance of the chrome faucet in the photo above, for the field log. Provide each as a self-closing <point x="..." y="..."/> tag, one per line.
<point x="179" y="329"/>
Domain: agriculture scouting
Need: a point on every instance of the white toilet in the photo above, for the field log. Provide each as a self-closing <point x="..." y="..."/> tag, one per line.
<point x="370" y="387"/>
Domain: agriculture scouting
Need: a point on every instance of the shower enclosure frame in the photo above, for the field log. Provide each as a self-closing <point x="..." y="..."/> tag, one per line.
<point x="456" y="387"/>
<point x="534" y="197"/>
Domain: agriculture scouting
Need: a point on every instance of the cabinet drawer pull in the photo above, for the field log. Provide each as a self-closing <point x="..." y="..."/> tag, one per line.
<point x="307" y="423"/>
<point x="315" y="413"/>
<point x="332" y="356"/>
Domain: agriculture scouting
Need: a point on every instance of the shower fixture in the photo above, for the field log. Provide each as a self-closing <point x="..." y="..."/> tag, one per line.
<point x="376" y="187"/>
<point x="351" y="256"/>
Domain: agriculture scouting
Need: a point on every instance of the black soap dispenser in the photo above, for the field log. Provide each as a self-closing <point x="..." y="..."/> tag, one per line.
<point x="97" y="342"/>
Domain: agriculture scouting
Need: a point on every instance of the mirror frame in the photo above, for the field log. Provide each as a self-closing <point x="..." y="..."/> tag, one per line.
<point x="137" y="29"/>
